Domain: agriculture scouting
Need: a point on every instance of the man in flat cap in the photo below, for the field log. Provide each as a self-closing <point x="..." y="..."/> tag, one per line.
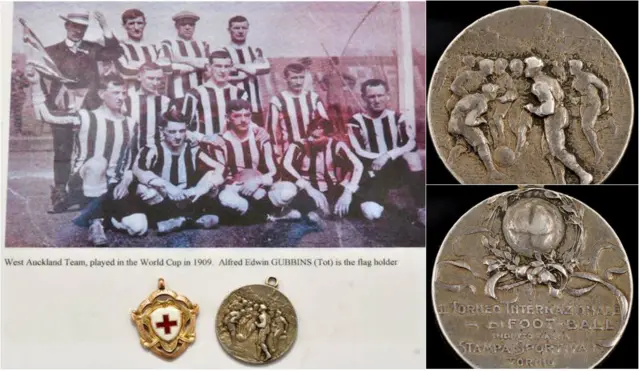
<point x="188" y="56"/>
<point x="77" y="59"/>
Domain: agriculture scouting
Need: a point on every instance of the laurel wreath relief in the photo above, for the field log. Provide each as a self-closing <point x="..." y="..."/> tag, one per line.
<point x="507" y="270"/>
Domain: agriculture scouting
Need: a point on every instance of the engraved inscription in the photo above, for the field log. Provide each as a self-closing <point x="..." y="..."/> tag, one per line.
<point x="531" y="362"/>
<point x="457" y="307"/>
<point x="525" y="283"/>
<point x="517" y="348"/>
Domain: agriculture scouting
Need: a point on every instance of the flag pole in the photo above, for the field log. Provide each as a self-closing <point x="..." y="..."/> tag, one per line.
<point x="406" y="91"/>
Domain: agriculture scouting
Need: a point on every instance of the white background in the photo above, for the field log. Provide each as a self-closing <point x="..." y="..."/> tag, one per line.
<point x="348" y="317"/>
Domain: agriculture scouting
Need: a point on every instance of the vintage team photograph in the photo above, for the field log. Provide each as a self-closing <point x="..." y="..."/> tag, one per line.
<point x="217" y="124"/>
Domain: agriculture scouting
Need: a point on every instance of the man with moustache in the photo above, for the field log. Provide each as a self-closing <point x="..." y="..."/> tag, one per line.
<point x="136" y="51"/>
<point x="188" y="56"/>
<point x="291" y="111"/>
<point x="248" y="63"/>
<point x="77" y="59"/>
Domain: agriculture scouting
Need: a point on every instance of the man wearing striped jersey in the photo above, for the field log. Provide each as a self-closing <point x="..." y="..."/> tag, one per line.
<point x="248" y="64"/>
<point x="147" y="105"/>
<point x="386" y="144"/>
<point x="178" y="181"/>
<point x="206" y="104"/>
<point x="312" y="163"/>
<point x="136" y="52"/>
<point x="188" y="56"/>
<point x="101" y="178"/>
<point x="250" y="167"/>
<point x="291" y="111"/>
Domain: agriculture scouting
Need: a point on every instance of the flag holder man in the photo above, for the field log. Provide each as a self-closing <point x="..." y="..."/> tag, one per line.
<point x="77" y="60"/>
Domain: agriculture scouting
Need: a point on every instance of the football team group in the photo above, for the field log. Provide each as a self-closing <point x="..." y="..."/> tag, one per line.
<point x="175" y="136"/>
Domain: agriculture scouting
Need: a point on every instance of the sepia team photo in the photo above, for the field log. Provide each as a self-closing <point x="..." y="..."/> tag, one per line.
<point x="166" y="138"/>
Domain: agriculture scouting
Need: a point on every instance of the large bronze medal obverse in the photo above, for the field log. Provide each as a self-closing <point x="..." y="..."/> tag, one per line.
<point x="530" y="95"/>
<point x="532" y="278"/>
<point x="257" y="324"/>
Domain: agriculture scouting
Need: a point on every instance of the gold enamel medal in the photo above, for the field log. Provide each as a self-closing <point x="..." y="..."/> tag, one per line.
<point x="257" y="323"/>
<point x="166" y="322"/>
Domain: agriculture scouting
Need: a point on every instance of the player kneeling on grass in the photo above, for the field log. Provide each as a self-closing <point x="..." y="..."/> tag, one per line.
<point x="250" y="193"/>
<point x="101" y="177"/>
<point x="312" y="165"/>
<point x="178" y="181"/>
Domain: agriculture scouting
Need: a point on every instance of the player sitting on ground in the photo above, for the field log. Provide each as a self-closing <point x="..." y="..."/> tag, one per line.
<point x="250" y="168"/>
<point x="386" y="143"/>
<point x="101" y="176"/>
<point x="312" y="163"/>
<point x="178" y="181"/>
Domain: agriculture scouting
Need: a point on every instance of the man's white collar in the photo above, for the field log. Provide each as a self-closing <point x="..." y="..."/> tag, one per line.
<point x="214" y="85"/>
<point x="230" y="134"/>
<point x="72" y="44"/>
<point x="132" y="41"/>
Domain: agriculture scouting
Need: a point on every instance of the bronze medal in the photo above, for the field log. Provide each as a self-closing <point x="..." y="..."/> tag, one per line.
<point x="256" y="323"/>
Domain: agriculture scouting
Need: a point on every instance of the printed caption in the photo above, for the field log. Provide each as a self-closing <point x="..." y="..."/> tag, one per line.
<point x="202" y="262"/>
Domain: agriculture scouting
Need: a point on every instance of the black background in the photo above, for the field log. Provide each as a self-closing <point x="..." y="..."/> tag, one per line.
<point x="618" y="205"/>
<point x="617" y="21"/>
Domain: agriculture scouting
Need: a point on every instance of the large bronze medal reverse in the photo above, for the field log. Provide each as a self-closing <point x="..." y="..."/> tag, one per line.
<point x="532" y="278"/>
<point x="166" y="322"/>
<point x="530" y="95"/>
<point x="257" y="323"/>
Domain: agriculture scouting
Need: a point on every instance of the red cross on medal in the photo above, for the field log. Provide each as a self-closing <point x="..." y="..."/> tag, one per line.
<point x="166" y="322"/>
